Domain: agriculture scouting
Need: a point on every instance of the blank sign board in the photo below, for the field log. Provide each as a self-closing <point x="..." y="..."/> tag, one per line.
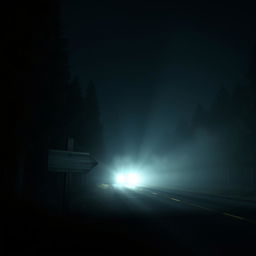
<point x="68" y="161"/>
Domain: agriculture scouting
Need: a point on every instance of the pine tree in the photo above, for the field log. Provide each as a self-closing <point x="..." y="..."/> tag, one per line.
<point x="92" y="137"/>
<point x="74" y="113"/>
<point x="199" y="118"/>
<point x="251" y="107"/>
<point x="219" y="115"/>
<point x="38" y="76"/>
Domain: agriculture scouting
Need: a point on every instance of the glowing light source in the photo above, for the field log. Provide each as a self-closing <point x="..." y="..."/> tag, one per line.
<point x="120" y="179"/>
<point x="130" y="180"/>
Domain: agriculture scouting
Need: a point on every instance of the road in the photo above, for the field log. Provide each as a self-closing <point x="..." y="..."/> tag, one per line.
<point x="156" y="221"/>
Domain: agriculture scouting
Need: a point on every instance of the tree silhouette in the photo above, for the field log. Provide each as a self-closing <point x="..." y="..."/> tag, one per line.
<point x="92" y="137"/>
<point x="219" y="113"/>
<point x="199" y="118"/>
<point x="38" y="76"/>
<point x="73" y="112"/>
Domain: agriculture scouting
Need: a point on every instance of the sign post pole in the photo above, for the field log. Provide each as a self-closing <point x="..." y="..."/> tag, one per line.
<point x="65" y="193"/>
<point x="69" y="162"/>
<point x="70" y="148"/>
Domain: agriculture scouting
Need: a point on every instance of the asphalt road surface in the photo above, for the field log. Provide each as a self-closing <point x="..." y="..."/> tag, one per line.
<point x="143" y="221"/>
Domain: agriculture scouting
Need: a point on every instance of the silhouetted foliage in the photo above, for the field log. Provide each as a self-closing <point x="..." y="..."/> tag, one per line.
<point x="182" y="134"/>
<point x="38" y="75"/>
<point x="199" y="118"/>
<point x="92" y="130"/>
<point x="44" y="105"/>
<point x="227" y="130"/>
<point x="73" y="112"/>
<point x="220" y="110"/>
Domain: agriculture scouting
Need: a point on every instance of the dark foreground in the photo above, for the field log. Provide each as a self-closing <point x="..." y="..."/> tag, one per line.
<point x="136" y="222"/>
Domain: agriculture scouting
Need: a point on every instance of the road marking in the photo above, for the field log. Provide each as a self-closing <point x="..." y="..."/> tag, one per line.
<point x="234" y="216"/>
<point x="199" y="206"/>
<point x="103" y="186"/>
<point x="174" y="199"/>
<point x="207" y="209"/>
<point x="240" y="218"/>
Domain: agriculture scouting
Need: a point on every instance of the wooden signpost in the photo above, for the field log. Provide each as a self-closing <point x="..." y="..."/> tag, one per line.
<point x="69" y="162"/>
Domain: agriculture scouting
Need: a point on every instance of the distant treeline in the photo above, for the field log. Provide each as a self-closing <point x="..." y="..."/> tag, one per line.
<point x="44" y="103"/>
<point x="224" y="136"/>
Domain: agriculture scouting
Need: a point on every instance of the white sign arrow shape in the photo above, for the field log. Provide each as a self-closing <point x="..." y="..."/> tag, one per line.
<point x="69" y="161"/>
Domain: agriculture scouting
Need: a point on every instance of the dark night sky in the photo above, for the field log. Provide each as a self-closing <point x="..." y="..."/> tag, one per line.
<point x="153" y="61"/>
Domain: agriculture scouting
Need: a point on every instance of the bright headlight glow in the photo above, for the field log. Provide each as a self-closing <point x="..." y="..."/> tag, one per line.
<point x="133" y="179"/>
<point x="120" y="179"/>
<point x="130" y="180"/>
